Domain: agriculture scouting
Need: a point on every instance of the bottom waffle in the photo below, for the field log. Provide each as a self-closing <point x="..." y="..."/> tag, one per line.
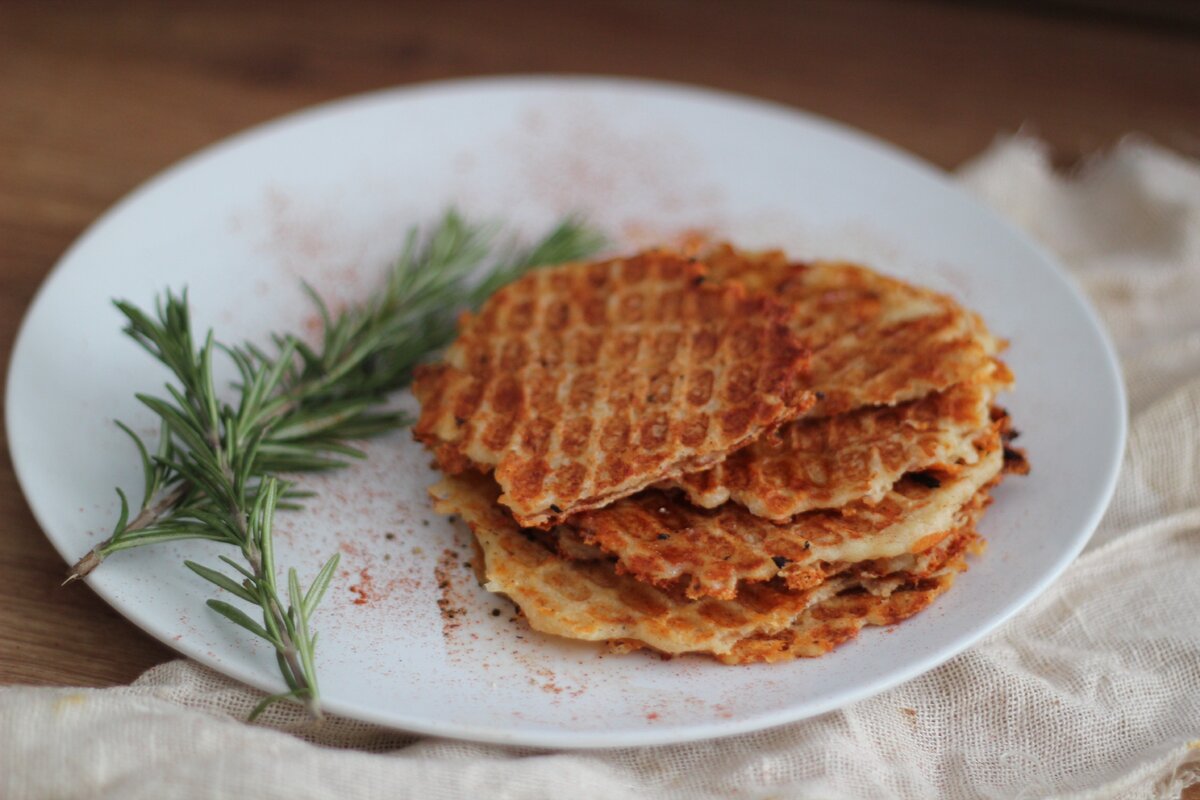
<point x="583" y="597"/>
<point x="839" y="619"/>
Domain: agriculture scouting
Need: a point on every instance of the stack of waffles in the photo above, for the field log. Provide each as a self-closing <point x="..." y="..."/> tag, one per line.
<point x="731" y="454"/>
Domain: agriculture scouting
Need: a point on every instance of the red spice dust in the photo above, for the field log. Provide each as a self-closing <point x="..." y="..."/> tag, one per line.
<point x="652" y="716"/>
<point x="451" y="600"/>
<point x="364" y="588"/>
<point x="639" y="183"/>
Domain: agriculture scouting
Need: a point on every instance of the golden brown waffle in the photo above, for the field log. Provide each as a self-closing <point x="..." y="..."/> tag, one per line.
<point x="831" y="461"/>
<point x="588" y="600"/>
<point x="581" y="384"/>
<point x="838" y="619"/>
<point x="875" y="340"/>
<point x="881" y="577"/>
<point x="878" y="575"/>
<point x="660" y="538"/>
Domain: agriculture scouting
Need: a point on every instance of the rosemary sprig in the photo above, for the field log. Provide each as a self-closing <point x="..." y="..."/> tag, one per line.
<point x="215" y="474"/>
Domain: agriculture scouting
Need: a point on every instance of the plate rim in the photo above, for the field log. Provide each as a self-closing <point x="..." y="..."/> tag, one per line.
<point x="559" y="738"/>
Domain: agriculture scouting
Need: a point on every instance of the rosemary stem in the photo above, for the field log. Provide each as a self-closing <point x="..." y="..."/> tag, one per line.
<point x="290" y="655"/>
<point x="253" y="554"/>
<point x="146" y="517"/>
<point x="298" y="407"/>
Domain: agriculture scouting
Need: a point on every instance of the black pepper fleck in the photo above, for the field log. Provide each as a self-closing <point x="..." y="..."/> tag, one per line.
<point x="663" y="536"/>
<point x="780" y="561"/>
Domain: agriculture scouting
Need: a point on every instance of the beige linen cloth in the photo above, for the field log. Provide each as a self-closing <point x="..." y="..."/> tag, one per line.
<point x="1093" y="691"/>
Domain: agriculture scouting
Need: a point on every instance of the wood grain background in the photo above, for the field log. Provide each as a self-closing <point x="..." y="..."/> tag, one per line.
<point x="95" y="99"/>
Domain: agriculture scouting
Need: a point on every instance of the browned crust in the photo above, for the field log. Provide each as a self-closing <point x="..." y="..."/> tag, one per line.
<point x="584" y="383"/>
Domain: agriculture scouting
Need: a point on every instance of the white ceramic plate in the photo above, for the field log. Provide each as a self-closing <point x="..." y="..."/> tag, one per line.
<point x="326" y="195"/>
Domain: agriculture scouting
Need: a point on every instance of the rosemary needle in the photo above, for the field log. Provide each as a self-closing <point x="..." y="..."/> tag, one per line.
<point x="215" y="472"/>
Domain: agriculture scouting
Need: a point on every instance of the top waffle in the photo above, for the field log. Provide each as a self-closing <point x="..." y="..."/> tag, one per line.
<point x="582" y="384"/>
<point x="874" y="340"/>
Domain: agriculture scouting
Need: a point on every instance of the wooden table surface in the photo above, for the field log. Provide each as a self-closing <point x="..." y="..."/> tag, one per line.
<point x="95" y="100"/>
